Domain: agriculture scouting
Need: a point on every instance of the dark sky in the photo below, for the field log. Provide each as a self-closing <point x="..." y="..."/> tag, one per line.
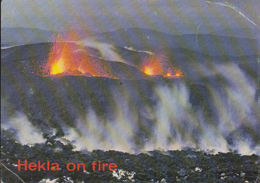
<point x="107" y="15"/>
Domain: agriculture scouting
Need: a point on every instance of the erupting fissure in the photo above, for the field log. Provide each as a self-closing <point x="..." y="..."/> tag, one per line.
<point x="69" y="58"/>
<point x="159" y="65"/>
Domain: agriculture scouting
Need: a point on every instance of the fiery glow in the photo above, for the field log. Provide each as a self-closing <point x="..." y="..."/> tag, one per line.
<point x="148" y="70"/>
<point x="159" y="65"/>
<point x="63" y="57"/>
<point x="69" y="58"/>
<point x="177" y="74"/>
<point x="58" y="67"/>
<point x="154" y="65"/>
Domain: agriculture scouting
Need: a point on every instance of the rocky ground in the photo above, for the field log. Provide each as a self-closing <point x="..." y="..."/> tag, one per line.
<point x="187" y="165"/>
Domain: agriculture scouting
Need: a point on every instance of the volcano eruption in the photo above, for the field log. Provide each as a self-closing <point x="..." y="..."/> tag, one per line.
<point x="159" y="65"/>
<point x="73" y="59"/>
<point x="66" y="57"/>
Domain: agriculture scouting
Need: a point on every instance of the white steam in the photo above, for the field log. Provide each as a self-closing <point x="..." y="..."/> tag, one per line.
<point x="176" y="123"/>
<point x="25" y="132"/>
<point x="106" y="50"/>
<point x="141" y="51"/>
<point x="172" y="122"/>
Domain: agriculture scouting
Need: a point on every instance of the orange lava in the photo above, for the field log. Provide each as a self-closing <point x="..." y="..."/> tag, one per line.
<point x="148" y="71"/>
<point x="159" y="65"/>
<point x="154" y="65"/>
<point x="68" y="58"/>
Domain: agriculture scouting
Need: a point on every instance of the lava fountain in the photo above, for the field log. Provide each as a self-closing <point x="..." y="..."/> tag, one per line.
<point x="68" y="58"/>
<point x="159" y="65"/>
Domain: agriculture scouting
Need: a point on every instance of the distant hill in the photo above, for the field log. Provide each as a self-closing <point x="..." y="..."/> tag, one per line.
<point x="183" y="59"/>
<point x="145" y="39"/>
<point x="36" y="55"/>
<point x="20" y="35"/>
<point x="240" y="32"/>
<point x="149" y="40"/>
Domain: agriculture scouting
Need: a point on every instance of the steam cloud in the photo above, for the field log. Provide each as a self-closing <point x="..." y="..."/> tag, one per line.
<point x="176" y="123"/>
<point x="106" y="50"/>
<point x="25" y="132"/>
<point x="171" y="123"/>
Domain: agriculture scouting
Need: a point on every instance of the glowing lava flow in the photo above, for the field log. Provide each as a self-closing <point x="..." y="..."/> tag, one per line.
<point x="154" y="65"/>
<point x="177" y="74"/>
<point x="159" y="65"/>
<point x="57" y="67"/>
<point x="63" y="57"/>
<point x="148" y="71"/>
<point x="68" y="58"/>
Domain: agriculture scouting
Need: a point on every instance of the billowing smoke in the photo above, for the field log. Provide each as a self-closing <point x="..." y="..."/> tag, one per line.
<point x="23" y="129"/>
<point x="106" y="50"/>
<point x="221" y="115"/>
<point x="174" y="122"/>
